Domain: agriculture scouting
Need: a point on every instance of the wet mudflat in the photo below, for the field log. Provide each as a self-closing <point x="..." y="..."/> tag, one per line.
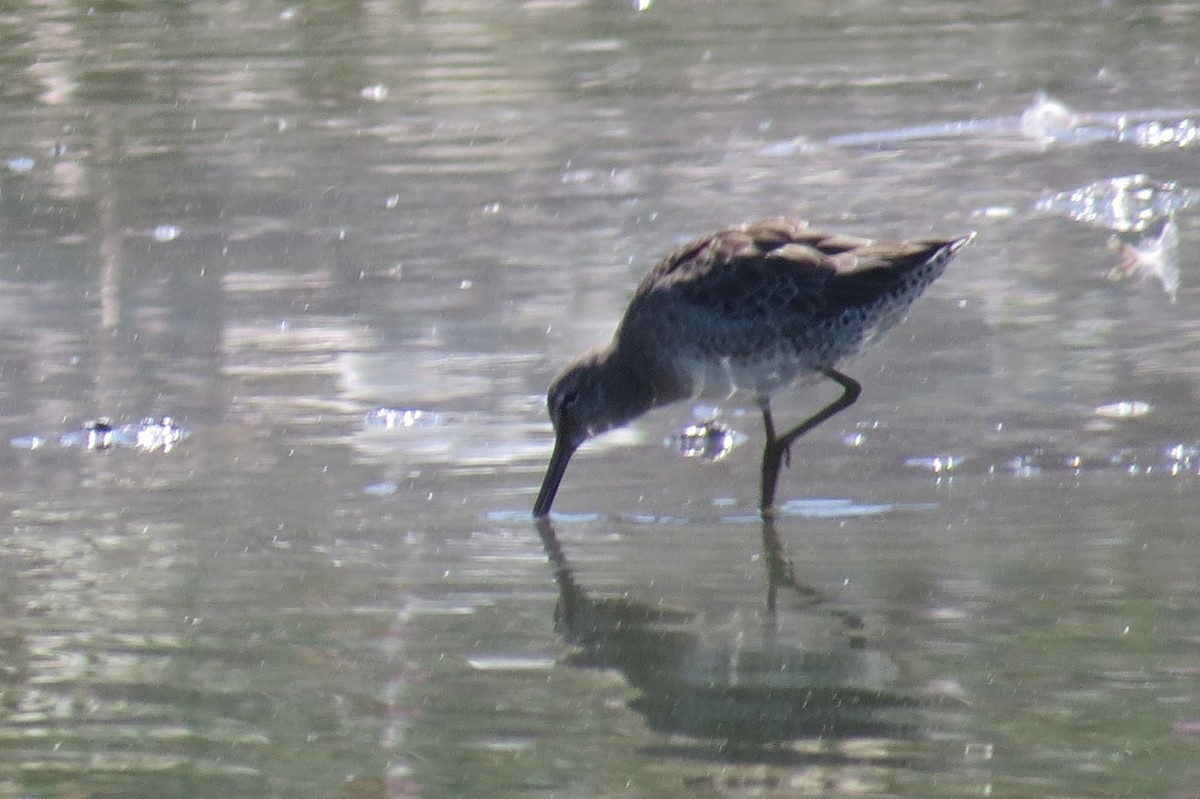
<point x="283" y="287"/>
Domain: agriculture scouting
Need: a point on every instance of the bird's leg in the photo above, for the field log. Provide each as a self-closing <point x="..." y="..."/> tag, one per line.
<point x="778" y="447"/>
<point x="851" y="390"/>
<point x="768" y="423"/>
<point x="771" y="458"/>
<point x="769" y="426"/>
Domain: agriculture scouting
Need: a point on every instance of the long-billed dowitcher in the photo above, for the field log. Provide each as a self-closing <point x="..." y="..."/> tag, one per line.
<point x="751" y="308"/>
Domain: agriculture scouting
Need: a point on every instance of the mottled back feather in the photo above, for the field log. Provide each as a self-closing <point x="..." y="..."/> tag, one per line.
<point x="756" y="305"/>
<point x="782" y="263"/>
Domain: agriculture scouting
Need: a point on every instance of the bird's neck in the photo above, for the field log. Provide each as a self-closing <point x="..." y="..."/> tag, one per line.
<point x="639" y="382"/>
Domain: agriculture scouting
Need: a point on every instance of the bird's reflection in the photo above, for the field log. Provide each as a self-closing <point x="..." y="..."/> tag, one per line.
<point x="745" y="692"/>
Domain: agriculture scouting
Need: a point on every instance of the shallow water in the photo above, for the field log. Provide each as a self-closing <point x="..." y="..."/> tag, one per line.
<point x="346" y="247"/>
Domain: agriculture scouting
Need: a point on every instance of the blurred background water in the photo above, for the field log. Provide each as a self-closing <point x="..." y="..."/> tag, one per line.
<point x="343" y="247"/>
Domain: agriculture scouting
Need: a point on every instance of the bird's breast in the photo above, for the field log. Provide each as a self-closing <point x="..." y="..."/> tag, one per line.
<point x="718" y="376"/>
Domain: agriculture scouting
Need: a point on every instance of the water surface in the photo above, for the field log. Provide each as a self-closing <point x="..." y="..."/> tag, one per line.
<point x="347" y="246"/>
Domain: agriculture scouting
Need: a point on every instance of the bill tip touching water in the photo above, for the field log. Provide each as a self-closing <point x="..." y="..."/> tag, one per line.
<point x="749" y="309"/>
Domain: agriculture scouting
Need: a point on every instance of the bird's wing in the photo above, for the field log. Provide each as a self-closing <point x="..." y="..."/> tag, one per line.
<point x="774" y="266"/>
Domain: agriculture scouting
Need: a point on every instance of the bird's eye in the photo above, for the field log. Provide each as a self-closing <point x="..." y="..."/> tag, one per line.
<point x="568" y="400"/>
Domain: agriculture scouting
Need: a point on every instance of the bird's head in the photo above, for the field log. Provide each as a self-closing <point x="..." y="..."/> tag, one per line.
<point x="582" y="401"/>
<point x="592" y="395"/>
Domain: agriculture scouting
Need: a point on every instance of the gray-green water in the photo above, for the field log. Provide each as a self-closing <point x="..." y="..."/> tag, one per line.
<point x="270" y="221"/>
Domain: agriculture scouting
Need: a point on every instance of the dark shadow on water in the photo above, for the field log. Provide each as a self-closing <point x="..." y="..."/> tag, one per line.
<point x="736" y="692"/>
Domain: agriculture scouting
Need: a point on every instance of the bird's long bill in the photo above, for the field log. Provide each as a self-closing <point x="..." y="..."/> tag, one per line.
<point x="563" y="450"/>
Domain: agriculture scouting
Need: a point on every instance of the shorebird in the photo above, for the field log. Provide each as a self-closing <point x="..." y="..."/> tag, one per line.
<point x="752" y="308"/>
